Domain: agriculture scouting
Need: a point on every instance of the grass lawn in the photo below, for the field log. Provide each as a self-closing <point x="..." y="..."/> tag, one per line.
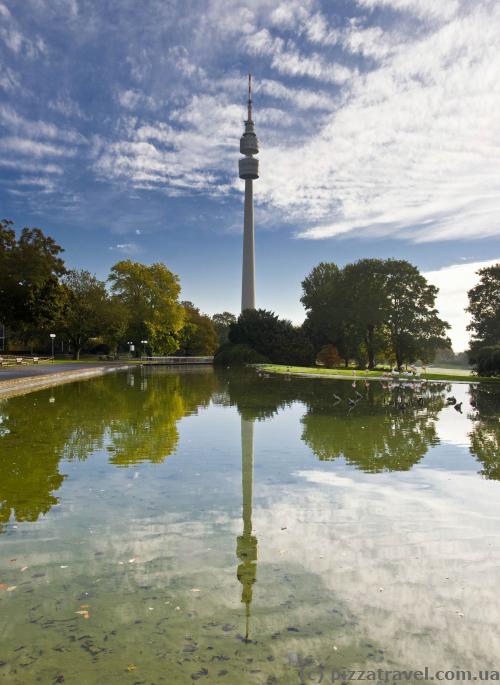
<point x="438" y="374"/>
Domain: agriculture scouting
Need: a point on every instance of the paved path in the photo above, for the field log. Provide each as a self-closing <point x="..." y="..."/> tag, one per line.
<point x="11" y="372"/>
<point x="20" y="380"/>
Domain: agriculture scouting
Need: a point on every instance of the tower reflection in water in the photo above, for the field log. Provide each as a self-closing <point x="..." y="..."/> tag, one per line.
<point x="246" y="548"/>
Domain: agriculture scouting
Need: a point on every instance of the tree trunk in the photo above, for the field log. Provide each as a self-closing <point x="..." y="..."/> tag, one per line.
<point x="399" y="361"/>
<point x="369" y="347"/>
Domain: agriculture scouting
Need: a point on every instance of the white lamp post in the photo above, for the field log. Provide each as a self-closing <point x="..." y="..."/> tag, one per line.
<point x="52" y="338"/>
<point x="144" y="343"/>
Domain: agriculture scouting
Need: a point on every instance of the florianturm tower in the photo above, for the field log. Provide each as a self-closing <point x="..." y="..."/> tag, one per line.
<point x="249" y="171"/>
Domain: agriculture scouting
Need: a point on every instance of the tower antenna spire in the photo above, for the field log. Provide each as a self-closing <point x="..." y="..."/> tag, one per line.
<point x="249" y="97"/>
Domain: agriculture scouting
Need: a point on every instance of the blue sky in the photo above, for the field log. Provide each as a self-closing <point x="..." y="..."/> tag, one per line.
<point x="378" y="120"/>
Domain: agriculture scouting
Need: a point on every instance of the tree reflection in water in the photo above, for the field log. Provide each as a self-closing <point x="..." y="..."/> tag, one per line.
<point x="391" y="429"/>
<point x="485" y="434"/>
<point x="131" y="416"/>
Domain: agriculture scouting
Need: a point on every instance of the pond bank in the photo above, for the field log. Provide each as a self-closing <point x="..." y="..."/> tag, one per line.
<point x="339" y="375"/>
<point x="28" y="379"/>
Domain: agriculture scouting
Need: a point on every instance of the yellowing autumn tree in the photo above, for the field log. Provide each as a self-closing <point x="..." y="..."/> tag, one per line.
<point x="151" y="295"/>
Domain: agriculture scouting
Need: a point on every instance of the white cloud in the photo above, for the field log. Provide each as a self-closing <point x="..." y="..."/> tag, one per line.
<point x="318" y="31"/>
<point x="405" y="140"/>
<point x="31" y="167"/>
<point x="16" y="41"/>
<point x="134" y="99"/>
<point x="263" y="43"/>
<point x="288" y="15"/>
<point x="193" y="156"/>
<point x="37" y="183"/>
<point x="294" y="63"/>
<point x="67" y="107"/>
<point x="126" y="248"/>
<point x="9" y="80"/>
<point x="37" y="129"/>
<point x="454" y="282"/>
<point x="298" y="97"/>
<point x="444" y="9"/>
<point x="412" y="148"/>
<point x="25" y="146"/>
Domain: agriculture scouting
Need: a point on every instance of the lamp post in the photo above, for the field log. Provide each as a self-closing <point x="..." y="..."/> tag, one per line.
<point x="131" y="347"/>
<point x="52" y="338"/>
<point x="144" y="343"/>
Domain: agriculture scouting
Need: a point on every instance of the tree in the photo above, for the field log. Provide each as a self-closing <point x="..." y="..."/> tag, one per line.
<point x="150" y="294"/>
<point x="222" y="323"/>
<point x="322" y="298"/>
<point x="364" y="288"/>
<point x="85" y="312"/>
<point x="272" y="337"/>
<point x="30" y="268"/>
<point x="414" y="329"/>
<point x="486" y="360"/>
<point x="198" y="335"/>
<point x="373" y="306"/>
<point x="330" y="317"/>
<point x="484" y="308"/>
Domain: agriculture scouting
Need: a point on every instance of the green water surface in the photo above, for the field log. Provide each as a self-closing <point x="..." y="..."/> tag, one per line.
<point x="219" y="527"/>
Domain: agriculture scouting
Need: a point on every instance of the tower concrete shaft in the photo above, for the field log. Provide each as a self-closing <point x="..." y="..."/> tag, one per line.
<point x="249" y="171"/>
<point x="248" y="275"/>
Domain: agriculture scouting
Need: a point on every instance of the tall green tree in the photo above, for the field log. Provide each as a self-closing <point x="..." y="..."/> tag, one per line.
<point x="484" y="308"/>
<point x="364" y="284"/>
<point x="86" y="309"/>
<point x="414" y="328"/>
<point x="373" y="306"/>
<point x="30" y="268"/>
<point x="222" y="323"/>
<point x="198" y="335"/>
<point x="150" y="294"/>
<point x="323" y="298"/>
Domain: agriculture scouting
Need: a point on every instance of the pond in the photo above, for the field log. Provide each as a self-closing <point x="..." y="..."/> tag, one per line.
<point x="162" y="526"/>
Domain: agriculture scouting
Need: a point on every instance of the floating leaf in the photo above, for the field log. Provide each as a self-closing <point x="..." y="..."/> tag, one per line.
<point x="195" y="589"/>
<point x="3" y="586"/>
<point x="24" y="568"/>
<point x="131" y="668"/>
<point x="12" y="588"/>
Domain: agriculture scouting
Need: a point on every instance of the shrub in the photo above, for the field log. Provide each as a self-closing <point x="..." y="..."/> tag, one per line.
<point x="237" y="355"/>
<point x="274" y="338"/>
<point x="329" y="356"/>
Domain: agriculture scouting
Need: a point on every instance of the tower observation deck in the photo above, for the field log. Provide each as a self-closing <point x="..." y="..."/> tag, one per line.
<point x="249" y="171"/>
